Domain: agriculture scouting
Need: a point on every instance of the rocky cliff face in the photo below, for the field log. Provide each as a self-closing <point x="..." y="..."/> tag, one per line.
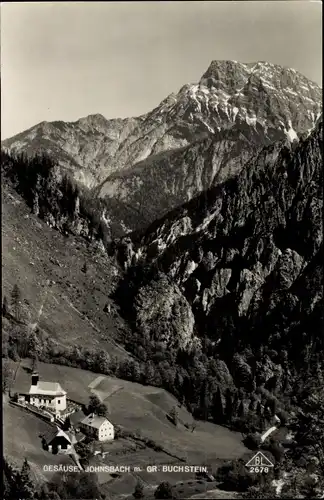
<point x="155" y="186"/>
<point x="85" y="147"/>
<point x="145" y="166"/>
<point x="245" y="256"/>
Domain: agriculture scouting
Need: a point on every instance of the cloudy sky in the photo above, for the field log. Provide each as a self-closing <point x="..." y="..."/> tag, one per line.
<point x="67" y="60"/>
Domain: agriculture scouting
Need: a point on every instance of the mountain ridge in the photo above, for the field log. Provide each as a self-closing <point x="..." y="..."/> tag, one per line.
<point x="256" y="103"/>
<point x="229" y="74"/>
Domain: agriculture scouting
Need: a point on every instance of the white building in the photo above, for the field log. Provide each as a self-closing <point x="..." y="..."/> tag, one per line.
<point x="98" y="428"/>
<point x="45" y="394"/>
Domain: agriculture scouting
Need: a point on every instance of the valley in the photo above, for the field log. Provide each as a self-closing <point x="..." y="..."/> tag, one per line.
<point x="139" y="410"/>
<point x="168" y="267"/>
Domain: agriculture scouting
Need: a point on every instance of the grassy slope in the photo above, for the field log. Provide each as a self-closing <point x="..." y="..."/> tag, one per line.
<point x="73" y="305"/>
<point x="143" y="408"/>
<point x="217" y="494"/>
<point x="21" y="440"/>
<point x="136" y="408"/>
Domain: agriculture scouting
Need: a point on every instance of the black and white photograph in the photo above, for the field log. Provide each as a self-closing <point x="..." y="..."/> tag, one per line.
<point x="162" y="250"/>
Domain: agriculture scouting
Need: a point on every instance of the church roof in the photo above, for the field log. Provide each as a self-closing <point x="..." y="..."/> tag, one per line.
<point x="47" y="388"/>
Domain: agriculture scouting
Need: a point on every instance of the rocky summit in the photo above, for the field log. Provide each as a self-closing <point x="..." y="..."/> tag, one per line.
<point x="143" y="167"/>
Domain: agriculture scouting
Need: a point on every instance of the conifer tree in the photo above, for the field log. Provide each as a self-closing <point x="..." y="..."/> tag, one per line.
<point x="241" y="410"/>
<point x="136" y="371"/>
<point x="236" y="402"/>
<point x="9" y="481"/>
<point x="228" y="406"/>
<point x="35" y="207"/>
<point x="7" y="376"/>
<point x="102" y="410"/>
<point x="150" y="373"/>
<point x="16" y="298"/>
<point x="5" y="306"/>
<point x="94" y="403"/>
<point x="272" y="406"/>
<point x="178" y="381"/>
<point x="259" y="409"/>
<point x="139" y="490"/>
<point x="204" y="401"/>
<point x="26" y="488"/>
<point x="174" y="414"/>
<point x="164" y="490"/>
<point x="251" y="404"/>
<point x="34" y="362"/>
<point x="217" y="407"/>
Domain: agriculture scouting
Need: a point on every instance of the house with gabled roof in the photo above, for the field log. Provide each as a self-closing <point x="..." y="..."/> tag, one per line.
<point x="98" y="428"/>
<point x="49" y="395"/>
<point x="57" y="441"/>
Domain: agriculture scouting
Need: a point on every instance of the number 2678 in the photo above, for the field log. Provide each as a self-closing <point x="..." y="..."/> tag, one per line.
<point x="259" y="469"/>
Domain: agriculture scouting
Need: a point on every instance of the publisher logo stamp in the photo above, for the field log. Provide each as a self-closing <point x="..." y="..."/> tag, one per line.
<point x="259" y="464"/>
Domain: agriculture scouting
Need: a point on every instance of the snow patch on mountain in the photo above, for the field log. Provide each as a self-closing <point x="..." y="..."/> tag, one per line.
<point x="251" y="120"/>
<point x="235" y="111"/>
<point x="291" y="133"/>
<point x="191" y="267"/>
<point x="206" y="221"/>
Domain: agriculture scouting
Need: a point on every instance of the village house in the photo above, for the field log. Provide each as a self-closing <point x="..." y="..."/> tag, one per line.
<point x="48" y="395"/>
<point x="57" y="441"/>
<point x="98" y="428"/>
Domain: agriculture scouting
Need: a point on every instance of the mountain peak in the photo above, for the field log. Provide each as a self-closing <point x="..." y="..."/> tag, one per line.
<point x="92" y="119"/>
<point x="257" y="103"/>
<point x="223" y="71"/>
<point x="230" y="71"/>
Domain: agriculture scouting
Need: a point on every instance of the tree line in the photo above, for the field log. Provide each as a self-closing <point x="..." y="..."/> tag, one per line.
<point x="202" y="384"/>
<point x="55" y="196"/>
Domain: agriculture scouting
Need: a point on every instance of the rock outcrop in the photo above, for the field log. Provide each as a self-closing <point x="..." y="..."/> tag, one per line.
<point x="246" y="254"/>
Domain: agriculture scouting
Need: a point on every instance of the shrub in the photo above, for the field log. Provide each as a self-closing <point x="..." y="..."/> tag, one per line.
<point x="235" y="476"/>
<point x="252" y="441"/>
<point x="139" y="490"/>
<point x="164" y="490"/>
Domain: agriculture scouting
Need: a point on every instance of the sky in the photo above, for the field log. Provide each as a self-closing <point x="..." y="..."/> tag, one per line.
<point x="62" y="61"/>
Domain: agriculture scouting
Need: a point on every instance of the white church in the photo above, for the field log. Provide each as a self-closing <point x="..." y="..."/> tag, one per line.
<point x="49" y="395"/>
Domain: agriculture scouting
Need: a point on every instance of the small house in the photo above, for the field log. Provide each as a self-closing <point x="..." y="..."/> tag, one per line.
<point x="57" y="441"/>
<point x="98" y="428"/>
